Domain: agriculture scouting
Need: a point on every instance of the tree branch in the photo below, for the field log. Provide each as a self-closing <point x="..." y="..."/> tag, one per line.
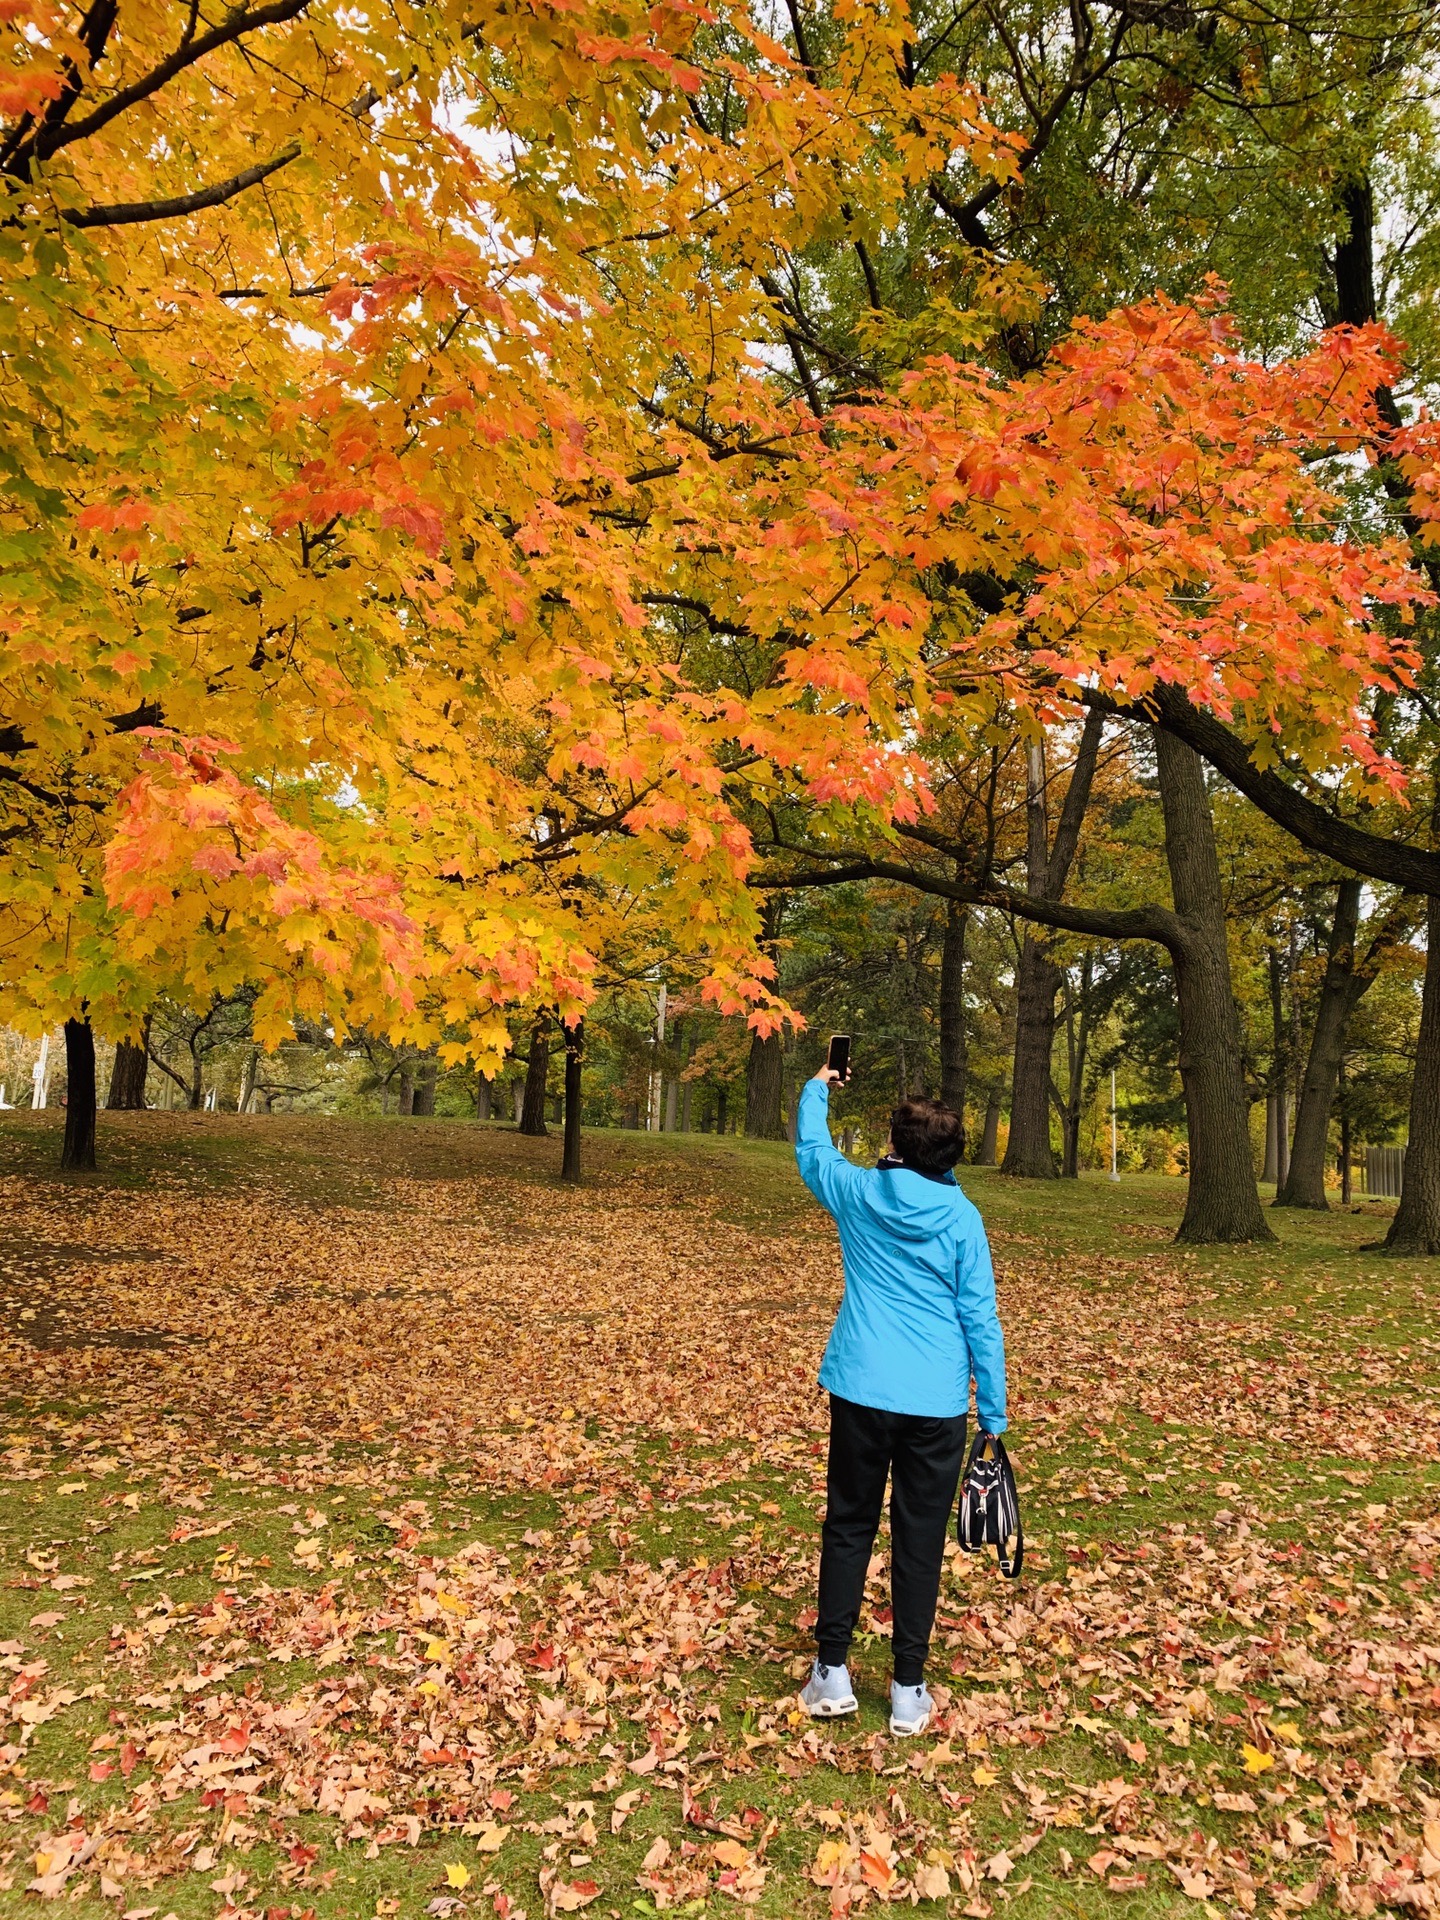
<point x="1414" y="869"/>
<point x="139" y="211"/>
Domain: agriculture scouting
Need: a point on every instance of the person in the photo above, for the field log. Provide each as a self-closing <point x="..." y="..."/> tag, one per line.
<point x="917" y="1322"/>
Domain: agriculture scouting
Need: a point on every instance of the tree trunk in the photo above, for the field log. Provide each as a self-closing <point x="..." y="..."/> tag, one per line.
<point x="484" y="1097"/>
<point x="1416" y="1226"/>
<point x="764" y="1080"/>
<point x="1077" y="1036"/>
<point x="532" y="1111"/>
<point x="79" y="1148"/>
<point x="1222" y="1203"/>
<point x="247" y="1082"/>
<point x="1346" y="1152"/>
<point x="954" y="1053"/>
<point x="1279" y="1077"/>
<point x="517" y="1100"/>
<point x="722" y="1108"/>
<point x="574" y="1054"/>
<point x="1348" y="978"/>
<point x="423" y="1103"/>
<point x="407" y="1087"/>
<point x="1270" y="1171"/>
<point x="1304" y="1181"/>
<point x="127" y="1076"/>
<point x="1028" y="1152"/>
<point x="989" y="1133"/>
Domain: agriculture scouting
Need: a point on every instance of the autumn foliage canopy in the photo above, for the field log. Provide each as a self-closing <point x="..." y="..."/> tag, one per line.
<point x="416" y="593"/>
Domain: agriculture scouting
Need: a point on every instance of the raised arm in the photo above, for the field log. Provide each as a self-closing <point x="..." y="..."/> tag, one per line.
<point x="980" y="1322"/>
<point x="823" y="1168"/>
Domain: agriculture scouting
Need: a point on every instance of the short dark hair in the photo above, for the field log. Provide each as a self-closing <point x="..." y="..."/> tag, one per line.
<point x="927" y="1135"/>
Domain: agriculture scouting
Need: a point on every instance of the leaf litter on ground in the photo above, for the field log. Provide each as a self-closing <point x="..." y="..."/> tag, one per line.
<point x="467" y="1541"/>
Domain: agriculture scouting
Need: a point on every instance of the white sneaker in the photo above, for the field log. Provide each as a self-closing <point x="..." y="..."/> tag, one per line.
<point x="828" y="1693"/>
<point x="910" y="1708"/>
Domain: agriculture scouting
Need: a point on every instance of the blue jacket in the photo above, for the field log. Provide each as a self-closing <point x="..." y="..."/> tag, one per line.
<point x="918" y="1319"/>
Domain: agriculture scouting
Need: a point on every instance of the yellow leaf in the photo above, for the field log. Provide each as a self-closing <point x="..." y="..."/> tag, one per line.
<point x="490" y="1838"/>
<point x="1255" y="1760"/>
<point x="1288" y="1730"/>
<point x="984" y="1776"/>
<point x="730" y="1853"/>
<point x="457" y="1874"/>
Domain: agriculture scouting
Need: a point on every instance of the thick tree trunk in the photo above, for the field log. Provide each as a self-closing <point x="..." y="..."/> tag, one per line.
<point x="954" y="1052"/>
<point x="574" y="1055"/>
<point x="407" y="1088"/>
<point x="423" y="1103"/>
<point x="79" y="1148"/>
<point x="764" y="1082"/>
<point x="722" y="1109"/>
<point x="1222" y="1203"/>
<point x="989" y="1132"/>
<point x="1028" y="1152"/>
<point x="1416" y="1226"/>
<point x="127" y="1076"/>
<point x="532" y="1109"/>
<point x="1340" y="991"/>
<point x="484" y="1097"/>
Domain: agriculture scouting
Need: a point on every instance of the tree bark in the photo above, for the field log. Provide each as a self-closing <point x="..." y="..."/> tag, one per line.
<point x="484" y="1097"/>
<point x="78" y="1152"/>
<point x="532" y="1109"/>
<point x="1277" y="1116"/>
<point x="574" y="1056"/>
<point x="1222" y="1203"/>
<point x="954" y="1049"/>
<point x="127" y="1076"/>
<point x="247" y="1082"/>
<point x="1303" y="1182"/>
<point x="989" y="1133"/>
<point x="1416" y="1226"/>
<point x="1028" y="1152"/>
<point x="1348" y="978"/>
<point x="764" y="1080"/>
<point x="1077" y="1035"/>
<point x="427" y="1073"/>
<point x="407" y="1088"/>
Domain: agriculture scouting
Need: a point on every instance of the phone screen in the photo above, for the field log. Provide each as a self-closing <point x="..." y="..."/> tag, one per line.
<point x="838" y="1059"/>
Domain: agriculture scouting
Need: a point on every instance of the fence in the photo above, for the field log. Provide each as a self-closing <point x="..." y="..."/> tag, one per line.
<point x="1385" y="1171"/>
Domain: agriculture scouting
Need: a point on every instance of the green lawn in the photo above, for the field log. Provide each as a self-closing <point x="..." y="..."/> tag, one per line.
<point x="392" y="1531"/>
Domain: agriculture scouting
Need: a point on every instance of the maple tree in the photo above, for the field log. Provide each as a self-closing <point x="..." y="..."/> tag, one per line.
<point x="339" y="487"/>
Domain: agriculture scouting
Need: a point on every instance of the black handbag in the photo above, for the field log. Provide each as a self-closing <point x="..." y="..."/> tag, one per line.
<point x="989" y="1513"/>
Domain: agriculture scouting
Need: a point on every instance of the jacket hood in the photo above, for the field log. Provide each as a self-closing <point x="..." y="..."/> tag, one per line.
<point x="909" y="1206"/>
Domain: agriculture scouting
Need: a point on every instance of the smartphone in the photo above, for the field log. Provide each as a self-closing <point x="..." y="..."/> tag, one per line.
<point x="838" y="1058"/>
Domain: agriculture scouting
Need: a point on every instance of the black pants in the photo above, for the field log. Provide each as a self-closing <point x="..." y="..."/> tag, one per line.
<point x="924" y="1457"/>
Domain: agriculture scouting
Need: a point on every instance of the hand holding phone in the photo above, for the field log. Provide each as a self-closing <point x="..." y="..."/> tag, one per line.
<point x="838" y="1058"/>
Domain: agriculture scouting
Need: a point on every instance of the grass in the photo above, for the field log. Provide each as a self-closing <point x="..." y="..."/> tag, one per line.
<point x="378" y="1508"/>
